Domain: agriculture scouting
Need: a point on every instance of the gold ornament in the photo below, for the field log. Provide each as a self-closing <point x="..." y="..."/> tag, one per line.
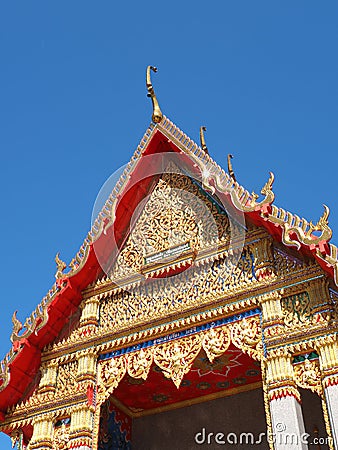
<point x="215" y="342"/>
<point x="175" y="358"/>
<point x="247" y="335"/>
<point x="139" y="363"/>
<point x="307" y="375"/>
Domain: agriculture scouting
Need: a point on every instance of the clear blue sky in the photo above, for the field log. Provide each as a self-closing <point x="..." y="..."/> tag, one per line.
<point x="261" y="75"/>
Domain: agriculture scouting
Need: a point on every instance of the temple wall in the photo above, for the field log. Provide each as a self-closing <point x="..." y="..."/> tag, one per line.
<point x="176" y="429"/>
<point x="313" y="417"/>
<point x="241" y="413"/>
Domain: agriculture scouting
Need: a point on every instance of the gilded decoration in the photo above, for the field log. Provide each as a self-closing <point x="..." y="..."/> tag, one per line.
<point x="215" y="342"/>
<point x="307" y="375"/>
<point x="293" y="225"/>
<point x="163" y="297"/>
<point x="173" y="215"/>
<point x="61" y="437"/>
<point x="139" y="363"/>
<point x="286" y="264"/>
<point x="157" y="113"/>
<point x="60" y="266"/>
<point x="246" y="334"/>
<point x="66" y="383"/>
<point x="296" y="309"/>
<point x="111" y="373"/>
<point x="175" y="357"/>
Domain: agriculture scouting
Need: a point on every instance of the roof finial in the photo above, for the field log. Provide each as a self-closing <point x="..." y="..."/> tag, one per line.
<point x="157" y="113"/>
<point x="230" y="169"/>
<point x="61" y="266"/>
<point x="202" y="139"/>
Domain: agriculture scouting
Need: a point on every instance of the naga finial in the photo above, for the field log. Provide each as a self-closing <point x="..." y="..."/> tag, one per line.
<point x="157" y="113"/>
<point x="230" y="169"/>
<point x="61" y="266"/>
<point x="202" y="139"/>
<point x="17" y="326"/>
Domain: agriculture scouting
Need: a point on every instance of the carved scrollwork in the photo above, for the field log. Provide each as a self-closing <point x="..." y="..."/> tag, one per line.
<point x="247" y="335"/>
<point x="162" y="297"/>
<point x="215" y="342"/>
<point x="139" y="363"/>
<point x="111" y="373"/>
<point x="296" y="309"/>
<point x="174" y="214"/>
<point x="175" y="358"/>
<point x="66" y="383"/>
<point x="307" y="375"/>
<point x="61" y="437"/>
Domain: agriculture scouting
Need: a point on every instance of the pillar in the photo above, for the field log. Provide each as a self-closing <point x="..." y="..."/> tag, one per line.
<point x="48" y="377"/>
<point x="42" y="438"/>
<point x="81" y="428"/>
<point x="288" y="431"/>
<point x="90" y="312"/>
<point x="328" y="357"/>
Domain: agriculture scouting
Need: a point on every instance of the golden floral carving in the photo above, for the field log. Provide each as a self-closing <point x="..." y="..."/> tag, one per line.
<point x="247" y="335"/>
<point x="173" y="215"/>
<point x="296" y="309"/>
<point x="66" y="383"/>
<point x="215" y="342"/>
<point x="111" y="373"/>
<point x="139" y="363"/>
<point x="286" y="263"/>
<point x="307" y="375"/>
<point x="61" y="437"/>
<point x="175" y="358"/>
<point x="162" y="297"/>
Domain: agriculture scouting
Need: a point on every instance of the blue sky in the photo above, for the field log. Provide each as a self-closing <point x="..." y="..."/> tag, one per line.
<point x="261" y="75"/>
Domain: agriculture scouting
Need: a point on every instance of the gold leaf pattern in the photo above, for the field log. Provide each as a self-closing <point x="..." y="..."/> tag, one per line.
<point x="247" y="335"/>
<point x="139" y="363"/>
<point x="215" y="342"/>
<point x="175" y="358"/>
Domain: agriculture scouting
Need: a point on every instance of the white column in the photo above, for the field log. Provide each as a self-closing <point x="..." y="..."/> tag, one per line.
<point x="287" y="424"/>
<point x="288" y="430"/>
<point x="328" y="356"/>
<point x="331" y="398"/>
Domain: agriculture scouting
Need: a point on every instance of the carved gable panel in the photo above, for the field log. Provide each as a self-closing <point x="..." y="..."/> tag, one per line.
<point x="176" y="215"/>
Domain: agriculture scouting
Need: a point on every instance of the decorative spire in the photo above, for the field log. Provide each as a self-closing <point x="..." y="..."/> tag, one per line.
<point x="202" y="139"/>
<point x="157" y="113"/>
<point x="230" y="169"/>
